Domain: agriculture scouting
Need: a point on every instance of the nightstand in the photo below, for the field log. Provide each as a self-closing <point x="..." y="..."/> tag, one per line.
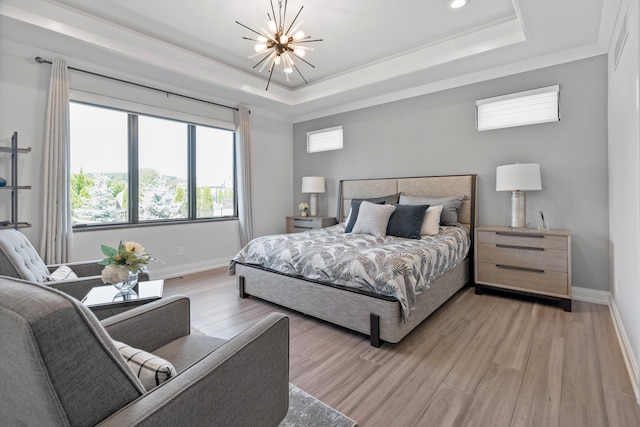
<point x="530" y="262"/>
<point x="297" y="224"/>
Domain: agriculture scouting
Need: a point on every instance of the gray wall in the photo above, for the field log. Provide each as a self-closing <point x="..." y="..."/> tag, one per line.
<point x="435" y="135"/>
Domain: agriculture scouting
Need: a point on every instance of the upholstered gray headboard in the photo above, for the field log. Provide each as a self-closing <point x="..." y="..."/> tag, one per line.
<point x="432" y="186"/>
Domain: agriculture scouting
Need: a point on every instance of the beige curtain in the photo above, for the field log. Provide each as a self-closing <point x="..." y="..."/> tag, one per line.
<point x="243" y="163"/>
<point x="56" y="238"/>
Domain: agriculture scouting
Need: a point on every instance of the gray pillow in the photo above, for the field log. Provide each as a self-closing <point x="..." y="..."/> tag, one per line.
<point x="355" y="207"/>
<point x="450" y="206"/>
<point x="373" y="219"/>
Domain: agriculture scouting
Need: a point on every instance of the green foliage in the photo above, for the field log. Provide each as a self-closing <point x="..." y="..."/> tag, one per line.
<point x="80" y="186"/>
<point x="103" y="198"/>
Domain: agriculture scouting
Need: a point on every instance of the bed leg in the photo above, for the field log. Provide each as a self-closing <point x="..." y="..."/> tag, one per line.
<point x="374" y="321"/>
<point x="241" y="292"/>
<point x="479" y="290"/>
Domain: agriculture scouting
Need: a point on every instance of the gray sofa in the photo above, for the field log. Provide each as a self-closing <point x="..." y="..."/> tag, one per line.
<point x="59" y="365"/>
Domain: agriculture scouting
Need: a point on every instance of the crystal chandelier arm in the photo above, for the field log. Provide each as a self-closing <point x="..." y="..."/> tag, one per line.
<point x="305" y="80"/>
<point x="273" y="64"/>
<point x="303" y="60"/>
<point x="269" y="54"/>
<point x="250" y="29"/>
<point x="308" y="41"/>
<point x="264" y="33"/>
<point x="293" y="30"/>
<point x="294" y="19"/>
<point x="274" y="15"/>
<point x="283" y="18"/>
<point x="295" y="46"/>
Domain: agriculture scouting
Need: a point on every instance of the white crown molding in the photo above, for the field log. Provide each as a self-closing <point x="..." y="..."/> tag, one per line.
<point x="462" y="80"/>
<point x="65" y="29"/>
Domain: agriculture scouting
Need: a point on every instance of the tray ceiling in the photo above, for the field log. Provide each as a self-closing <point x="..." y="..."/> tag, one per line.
<point x="372" y="50"/>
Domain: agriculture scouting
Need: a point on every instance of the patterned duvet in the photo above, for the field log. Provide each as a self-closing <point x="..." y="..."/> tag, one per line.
<point x="386" y="266"/>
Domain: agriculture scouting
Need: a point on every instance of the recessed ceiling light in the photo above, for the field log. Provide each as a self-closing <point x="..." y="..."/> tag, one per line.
<point x="457" y="4"/>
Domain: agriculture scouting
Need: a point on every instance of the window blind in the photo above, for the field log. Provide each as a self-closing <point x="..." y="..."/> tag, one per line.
<point x="519" y="109"/>
<point x="324" y="139"/>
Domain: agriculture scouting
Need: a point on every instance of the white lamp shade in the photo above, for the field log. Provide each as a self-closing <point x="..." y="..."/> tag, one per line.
<point x="313" y="184"/>
<point x="519" y="176"/>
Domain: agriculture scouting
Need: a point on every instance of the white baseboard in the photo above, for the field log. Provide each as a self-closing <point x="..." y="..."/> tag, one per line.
<point x="181" y="270"/>
<point x="590" y="295"/>
<point x="630" y="358"/>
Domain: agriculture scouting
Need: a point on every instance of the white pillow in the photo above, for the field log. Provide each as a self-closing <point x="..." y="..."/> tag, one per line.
<point x="431" y="223"/>
<point x="373" y="219"/>
<point x="150" y="369"/>
<point x="63" y="272"/>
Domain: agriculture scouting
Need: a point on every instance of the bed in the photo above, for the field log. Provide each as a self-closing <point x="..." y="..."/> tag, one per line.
<point x="383" y="317"/>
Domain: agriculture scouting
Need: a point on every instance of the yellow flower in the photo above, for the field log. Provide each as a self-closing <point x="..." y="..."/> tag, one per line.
<point x="134" y="247"/>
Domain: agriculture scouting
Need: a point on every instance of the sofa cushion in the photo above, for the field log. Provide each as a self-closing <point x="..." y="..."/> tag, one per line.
<point x="188" y="350"/>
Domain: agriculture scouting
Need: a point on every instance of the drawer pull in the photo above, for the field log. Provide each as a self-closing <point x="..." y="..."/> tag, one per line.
<point x="526" y="248"/>
<point x="302" y="220"/>
<point x="303" y="228"/>
<point x="515" y="233"/>
<point x="510" y="267"/>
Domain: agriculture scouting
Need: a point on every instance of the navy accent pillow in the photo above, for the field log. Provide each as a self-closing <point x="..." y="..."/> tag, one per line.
<point x="406" y="221"/>
<point x="355" y="207"/>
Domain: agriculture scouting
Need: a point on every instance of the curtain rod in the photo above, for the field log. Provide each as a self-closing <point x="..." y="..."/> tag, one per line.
<point x="40" y="60"/>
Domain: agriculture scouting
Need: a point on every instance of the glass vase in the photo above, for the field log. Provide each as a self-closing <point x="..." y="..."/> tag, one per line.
<point x="129" y="284"/>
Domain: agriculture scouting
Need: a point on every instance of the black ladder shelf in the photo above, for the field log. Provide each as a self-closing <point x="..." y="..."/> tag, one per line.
<point x="12" y="185"/>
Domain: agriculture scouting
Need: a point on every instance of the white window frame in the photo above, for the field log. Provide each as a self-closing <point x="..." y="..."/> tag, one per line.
<point x="325" y="139"/>
<point x="529" y="107"/>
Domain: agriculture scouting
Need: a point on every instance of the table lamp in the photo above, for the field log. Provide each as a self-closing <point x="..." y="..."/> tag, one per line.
<point x="518" y="178"/>
<point x="313" y="185"/>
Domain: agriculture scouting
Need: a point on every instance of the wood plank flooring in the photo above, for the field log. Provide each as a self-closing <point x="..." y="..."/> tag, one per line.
<point x="480" y="360"/>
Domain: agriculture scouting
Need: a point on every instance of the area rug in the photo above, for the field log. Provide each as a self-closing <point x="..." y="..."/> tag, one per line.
<point x="306" y="410"/>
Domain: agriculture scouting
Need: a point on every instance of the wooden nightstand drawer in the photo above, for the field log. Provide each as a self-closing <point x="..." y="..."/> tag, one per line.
<point x="541" y="281"/>
<point x="523" y="256"/>
<point x="298" y="224"/>
<point x="516" y="238"/>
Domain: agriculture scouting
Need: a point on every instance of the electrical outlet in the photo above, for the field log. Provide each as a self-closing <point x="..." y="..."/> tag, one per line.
<point x="180" y="250"/>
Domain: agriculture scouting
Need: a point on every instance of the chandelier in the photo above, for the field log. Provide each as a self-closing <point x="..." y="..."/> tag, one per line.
<point x="280" y="44"/>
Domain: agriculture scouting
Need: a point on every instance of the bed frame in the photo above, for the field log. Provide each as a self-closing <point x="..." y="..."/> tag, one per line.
<point x="381" y="319"/>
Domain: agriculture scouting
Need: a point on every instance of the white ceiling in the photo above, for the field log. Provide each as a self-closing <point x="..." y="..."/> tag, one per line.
<point x="373" y="51"/>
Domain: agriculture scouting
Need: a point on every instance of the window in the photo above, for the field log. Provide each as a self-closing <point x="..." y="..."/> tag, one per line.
<point x="519" y="109"/>
<point x="129" y="168"/>
<point x="324" y="140"/>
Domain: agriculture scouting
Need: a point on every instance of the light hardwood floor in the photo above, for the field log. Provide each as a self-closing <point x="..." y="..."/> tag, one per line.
<point x="488" y="360"/>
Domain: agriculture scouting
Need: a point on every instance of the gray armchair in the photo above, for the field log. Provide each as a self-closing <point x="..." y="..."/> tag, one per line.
<point x="60" y="366"/>
<point x="18" y="258"/>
